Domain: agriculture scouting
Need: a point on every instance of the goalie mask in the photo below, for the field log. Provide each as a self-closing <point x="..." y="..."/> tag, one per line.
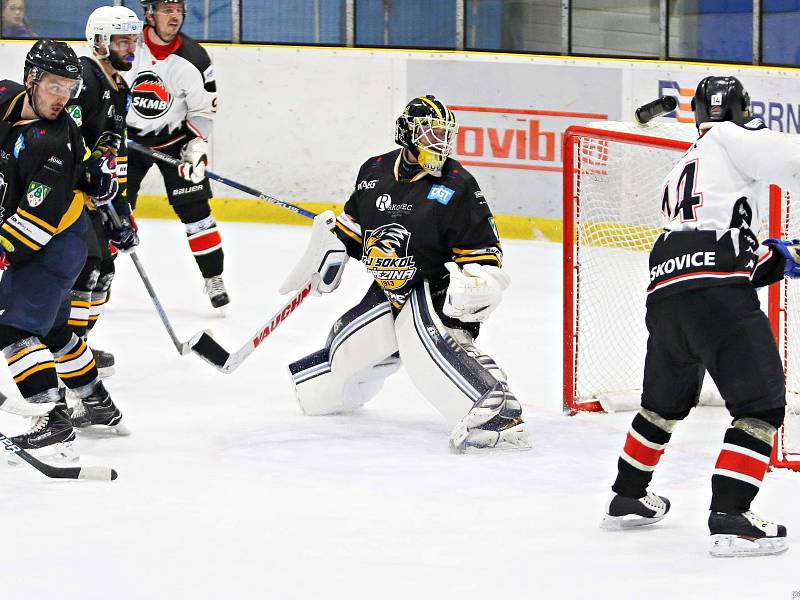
<point x="719" y="99"/>
<point x="428" y="130"/>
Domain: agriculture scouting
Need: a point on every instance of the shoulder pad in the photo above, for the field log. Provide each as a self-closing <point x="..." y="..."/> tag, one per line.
<point x="193" y="52"/>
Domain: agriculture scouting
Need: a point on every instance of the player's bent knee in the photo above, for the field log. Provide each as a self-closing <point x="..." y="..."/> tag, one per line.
<point x="351" y="368"/>
<point x="447" y="375"/>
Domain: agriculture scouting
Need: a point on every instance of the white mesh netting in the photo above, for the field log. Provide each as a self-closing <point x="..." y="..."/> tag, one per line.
<point x="617" y="216"/>
<point x="790" y="300"/>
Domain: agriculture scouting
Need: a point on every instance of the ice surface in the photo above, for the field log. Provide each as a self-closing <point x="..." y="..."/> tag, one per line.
<point x="226" y="491"/>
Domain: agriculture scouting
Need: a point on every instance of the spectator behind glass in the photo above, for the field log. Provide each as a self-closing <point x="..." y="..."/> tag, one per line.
<point x="14" y="24"/>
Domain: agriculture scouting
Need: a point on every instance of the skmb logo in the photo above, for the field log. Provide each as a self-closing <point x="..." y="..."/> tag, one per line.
<point x="514" y="138"/>
<point x="150" y="96"/>
<point x="778" y="116"/>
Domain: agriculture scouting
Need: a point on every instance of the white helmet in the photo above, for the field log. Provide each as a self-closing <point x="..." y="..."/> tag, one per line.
<point x="111" y="20"/>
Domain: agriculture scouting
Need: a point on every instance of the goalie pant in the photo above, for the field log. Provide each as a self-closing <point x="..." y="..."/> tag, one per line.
<point x="366" y="343"/>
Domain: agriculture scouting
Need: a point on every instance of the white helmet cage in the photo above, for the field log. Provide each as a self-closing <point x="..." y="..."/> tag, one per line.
<point x="434" y="134"/>
<point x="111" y="20"/>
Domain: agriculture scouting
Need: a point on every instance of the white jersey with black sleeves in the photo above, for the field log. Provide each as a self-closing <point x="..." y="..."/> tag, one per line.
<point x="174" y="92"/>
<point x="712" y="205"/>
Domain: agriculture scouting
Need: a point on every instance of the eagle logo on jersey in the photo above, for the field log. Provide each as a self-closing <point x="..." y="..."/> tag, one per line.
<point x="151" y="99"/>
<point x="386" y="256"/>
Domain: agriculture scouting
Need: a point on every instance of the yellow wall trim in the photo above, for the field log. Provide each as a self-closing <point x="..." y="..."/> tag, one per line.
<point x="512" y="227"/>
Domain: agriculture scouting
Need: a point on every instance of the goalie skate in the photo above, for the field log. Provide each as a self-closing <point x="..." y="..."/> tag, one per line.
<point x="499" y="433"/>
<point x="745" y="535"/>
<point x="623" y="512"/>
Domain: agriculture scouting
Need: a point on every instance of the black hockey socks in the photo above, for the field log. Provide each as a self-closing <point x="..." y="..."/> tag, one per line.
<point x="644" y="445"/>
<point x="76" y="366"/>
<point x="206" y="246"/>
<point x="741" y="465"/>
<point x="101" y="292"/>
<point x="33" y="369"/>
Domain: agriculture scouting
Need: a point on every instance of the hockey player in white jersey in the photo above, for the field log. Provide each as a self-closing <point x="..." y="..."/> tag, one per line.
<point x="173" y="109"/>
<point x="703" y="315"/>
<point x="419" y="223"/>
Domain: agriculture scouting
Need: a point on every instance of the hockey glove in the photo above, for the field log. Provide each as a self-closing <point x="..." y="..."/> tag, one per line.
<point x="323" y="262"/>
<point x="122" y="236"/>
<point x="790" y="250"/>
<point x="6" y="248"/>
<point x="474" y="291"/>
<point x="100" y="170"/>
<point x="194" y="159"/>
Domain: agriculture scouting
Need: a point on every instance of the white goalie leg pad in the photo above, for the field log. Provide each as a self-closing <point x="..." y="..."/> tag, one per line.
<point x="463" y="384"/>
<point x="448" y="377"/>
<point x="351" y="368"/>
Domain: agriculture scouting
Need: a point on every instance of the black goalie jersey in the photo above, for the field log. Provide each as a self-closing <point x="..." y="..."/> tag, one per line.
<point x="711" y="207"/>
<point x="405" y="231"/>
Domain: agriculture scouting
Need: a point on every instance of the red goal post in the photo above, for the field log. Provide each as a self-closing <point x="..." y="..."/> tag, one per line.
<point x="612" y="179"/>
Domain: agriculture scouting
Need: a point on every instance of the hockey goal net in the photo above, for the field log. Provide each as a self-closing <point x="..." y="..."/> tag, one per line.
<point x="613" y="173"/>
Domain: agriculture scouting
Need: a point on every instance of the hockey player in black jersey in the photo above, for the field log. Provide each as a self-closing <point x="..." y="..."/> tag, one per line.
<point x="703" y="315"/>
<point x="114" y="34"/>
<point x="42" y="234"/>
<point x="174" y="105"/>
<point x="421" y="226"/>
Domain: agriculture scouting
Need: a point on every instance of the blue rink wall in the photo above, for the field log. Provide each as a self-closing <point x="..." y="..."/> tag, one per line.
<point x="297" y="122"/>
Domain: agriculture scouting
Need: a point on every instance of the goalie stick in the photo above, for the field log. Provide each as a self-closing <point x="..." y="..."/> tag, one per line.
<point x="647" y="112"/>
<point x="214" y="354"/>
<point x="229" y="182"/>
<point x="182" y="347"/>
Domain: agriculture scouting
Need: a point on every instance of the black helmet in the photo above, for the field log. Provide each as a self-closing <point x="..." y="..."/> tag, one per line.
<point x="148" y="6"/>
<point x="720" y="99"/>
<point x="49" y="56"/>
<point x="427" y="128"/>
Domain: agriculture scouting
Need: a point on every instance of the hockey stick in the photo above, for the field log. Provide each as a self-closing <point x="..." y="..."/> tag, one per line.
<point x="229" y="182"/>
<point x="647" y="112"/>
<point x="93" y="473"/>
<point x="215" y="355"/>
<point x="182" y="347"/>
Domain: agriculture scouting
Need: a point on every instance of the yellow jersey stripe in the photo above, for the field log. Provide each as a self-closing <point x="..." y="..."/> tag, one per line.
<point x="35" y="369"/>
<point x="19" y="237"/>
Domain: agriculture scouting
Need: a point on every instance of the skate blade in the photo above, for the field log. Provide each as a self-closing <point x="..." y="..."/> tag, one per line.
<point x="100" y="431"/>
<point x="729" y="546"/>
<point x="61" y="453"/>
<point x="106" y="372"/>
<point x="610" y="523"/>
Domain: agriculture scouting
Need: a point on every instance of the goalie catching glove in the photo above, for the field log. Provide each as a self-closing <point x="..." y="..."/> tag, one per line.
<point x="323" y="261"/>
<point x="194" y="159"/>
<point x="790" y="250"/>
<point x="474" y="291"/>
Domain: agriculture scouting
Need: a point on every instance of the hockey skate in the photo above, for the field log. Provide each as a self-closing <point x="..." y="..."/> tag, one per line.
<point x="105" y="363"/>
<point x="495" y="421"/>
<point x="215" y="288"/>
<point x="50" y="436"/>
<point x="98" y="412"/>
<point x="745" y="534"/>
<point x="623" y="512"/>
